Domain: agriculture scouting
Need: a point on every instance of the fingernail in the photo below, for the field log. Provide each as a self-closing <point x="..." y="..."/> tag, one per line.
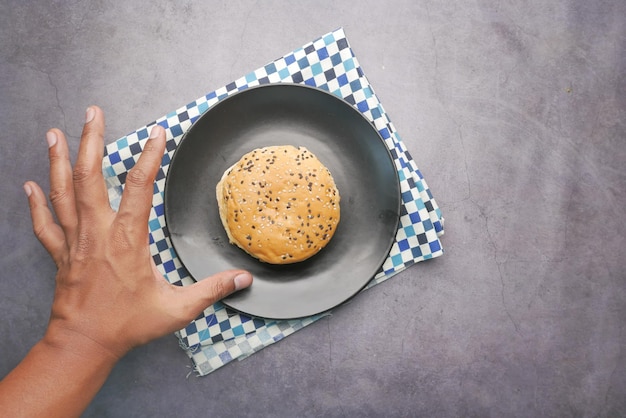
<point x="27" y="189"/>
<point x="156" y="130"/>
<point x="242" y="281"/>
<point x="51" y="138"/>
<point x="90" y="114"/>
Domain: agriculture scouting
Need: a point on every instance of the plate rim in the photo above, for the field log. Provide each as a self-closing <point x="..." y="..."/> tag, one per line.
<point x="389" y="157"/>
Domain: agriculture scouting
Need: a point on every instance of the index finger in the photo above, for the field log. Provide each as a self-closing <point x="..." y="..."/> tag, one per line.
<point x="90" y="190"/>
<point x="136" y="201"/>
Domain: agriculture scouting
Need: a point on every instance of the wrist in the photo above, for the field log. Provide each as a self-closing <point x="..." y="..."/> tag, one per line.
<point x="74" y="344"/>
<point x="68" y="369"/>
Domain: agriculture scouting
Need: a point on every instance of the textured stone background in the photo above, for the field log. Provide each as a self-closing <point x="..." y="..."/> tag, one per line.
<point x="516" y="115"/>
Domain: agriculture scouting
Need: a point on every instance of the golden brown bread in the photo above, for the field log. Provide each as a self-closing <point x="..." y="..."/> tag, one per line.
<point x="280" y="204"/>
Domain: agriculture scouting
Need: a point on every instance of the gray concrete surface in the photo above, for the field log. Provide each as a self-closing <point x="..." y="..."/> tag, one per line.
<point x="514" y="111"/>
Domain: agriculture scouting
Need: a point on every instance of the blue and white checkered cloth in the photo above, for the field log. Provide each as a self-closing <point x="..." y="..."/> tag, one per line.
<point x="220" y="334"/>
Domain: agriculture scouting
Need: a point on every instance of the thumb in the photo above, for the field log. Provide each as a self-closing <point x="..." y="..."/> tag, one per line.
<point x="206" y="292"/>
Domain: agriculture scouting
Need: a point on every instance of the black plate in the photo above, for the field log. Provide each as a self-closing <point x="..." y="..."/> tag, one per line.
<point x="343" y="139"/>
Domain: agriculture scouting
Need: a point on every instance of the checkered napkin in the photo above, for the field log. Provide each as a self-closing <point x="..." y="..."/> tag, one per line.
<point x="220" y="335"/>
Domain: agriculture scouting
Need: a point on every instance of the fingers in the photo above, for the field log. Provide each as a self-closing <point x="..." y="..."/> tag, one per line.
<point x="192" y="300"/>
<point x="89" y="187"/>
<point x="136" y="201"/>
<point x="46" y="230"/>
<point x="61" y="184"/>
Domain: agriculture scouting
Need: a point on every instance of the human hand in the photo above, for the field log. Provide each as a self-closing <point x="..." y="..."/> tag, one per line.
<point x="109" y="296"/>
<point x="108" y="290"/>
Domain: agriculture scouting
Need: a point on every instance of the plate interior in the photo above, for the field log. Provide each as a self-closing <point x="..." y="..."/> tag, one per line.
<point x="345" y="142"/>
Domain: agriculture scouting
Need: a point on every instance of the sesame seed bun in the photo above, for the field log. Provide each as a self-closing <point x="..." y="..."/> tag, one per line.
<point x="279" y="204"/>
